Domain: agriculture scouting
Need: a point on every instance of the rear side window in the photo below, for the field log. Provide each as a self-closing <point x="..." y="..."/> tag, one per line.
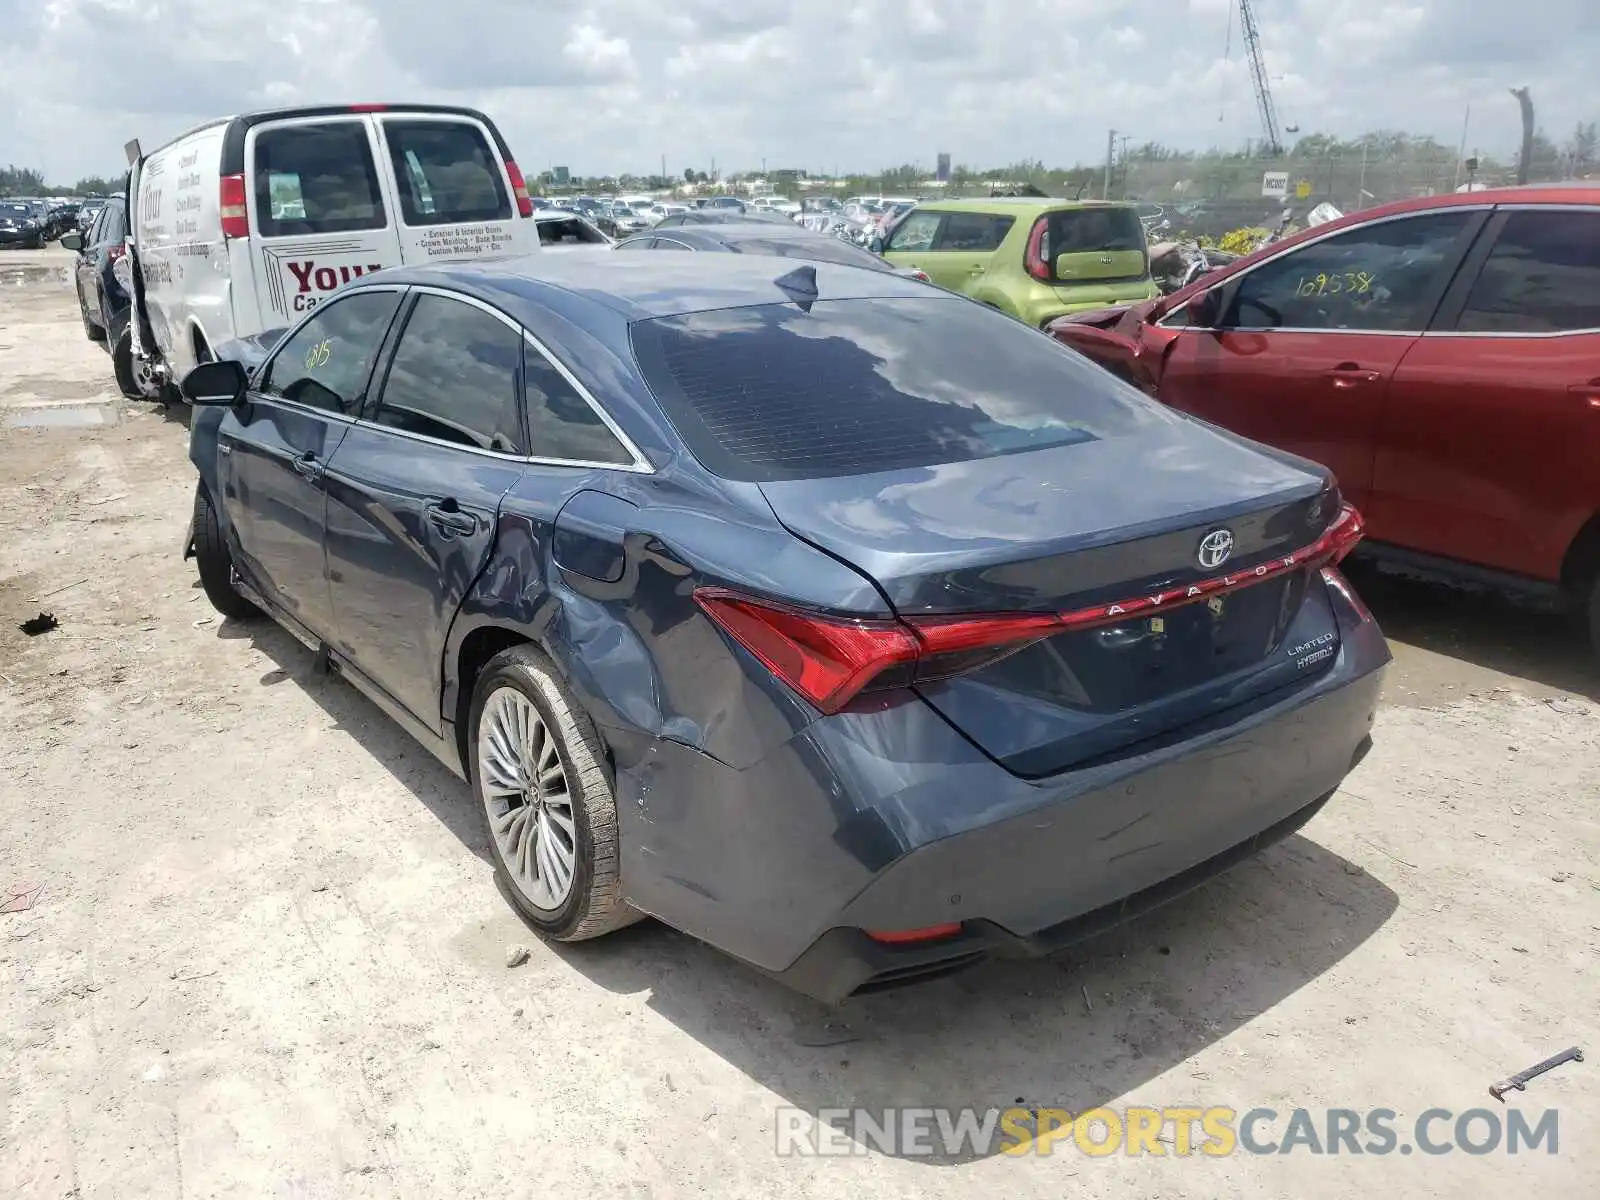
<point x="854" y="386"/>
<point x="1543" y="276"/>
<point x="447" y="173"/>
<point x="561" y="423"/>
<point x="316" y="179"/>
<point x="454" y="377"/>
<point x="325" y="363"/>
<point x="974" y="233"/>
<point x="113" y="226"/>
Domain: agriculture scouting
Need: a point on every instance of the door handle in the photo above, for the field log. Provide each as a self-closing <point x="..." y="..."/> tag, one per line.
<point x="307" y="466"/>
<point x="447" y="517"/>
<point x="1587" y="391"/>
<point x="1349" y="375"/>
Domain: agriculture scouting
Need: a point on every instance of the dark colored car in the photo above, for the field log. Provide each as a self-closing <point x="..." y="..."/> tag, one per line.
<point x="719" y="216"/>
<point x="102" y="301"/>
<point x="1441" y="356"/>
<point x="848" y="625"/>
<point x="727" y="204"/>
<point x="21" y="226"/>
<point x="787" y="240"/>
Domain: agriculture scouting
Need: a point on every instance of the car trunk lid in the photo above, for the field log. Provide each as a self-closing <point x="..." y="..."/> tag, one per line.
<point x="1175" y="562"/>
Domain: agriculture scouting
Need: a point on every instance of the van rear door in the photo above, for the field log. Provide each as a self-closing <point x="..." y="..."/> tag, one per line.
<point x="318" y="214"/>
<point x="456" y="188"/>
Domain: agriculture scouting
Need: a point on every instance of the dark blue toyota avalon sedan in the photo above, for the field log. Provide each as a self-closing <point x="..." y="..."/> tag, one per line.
<point x="848" y="625"/>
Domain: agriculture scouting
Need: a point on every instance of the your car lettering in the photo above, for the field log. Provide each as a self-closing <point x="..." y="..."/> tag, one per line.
<point x="312" y="279"/>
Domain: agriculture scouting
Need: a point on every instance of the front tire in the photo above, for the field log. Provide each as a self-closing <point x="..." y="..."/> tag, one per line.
<point x="539" y="774"/>
<point x="215" y="560"/>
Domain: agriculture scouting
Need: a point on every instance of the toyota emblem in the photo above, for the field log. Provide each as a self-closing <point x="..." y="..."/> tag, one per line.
<point x="1215" y="548"/>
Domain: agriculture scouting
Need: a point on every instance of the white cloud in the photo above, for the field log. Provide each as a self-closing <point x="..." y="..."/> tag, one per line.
<point x="612" y="85"/>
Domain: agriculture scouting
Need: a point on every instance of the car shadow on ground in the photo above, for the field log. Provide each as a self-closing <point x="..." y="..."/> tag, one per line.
<point x="1073" y="1032"/>
<point x="1484" y="629"/>
<point x="434" y="786"/>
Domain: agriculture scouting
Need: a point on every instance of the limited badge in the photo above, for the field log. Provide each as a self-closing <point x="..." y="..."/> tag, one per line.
<point x="1158" y="624"/>
<point x="1215" y="605"/>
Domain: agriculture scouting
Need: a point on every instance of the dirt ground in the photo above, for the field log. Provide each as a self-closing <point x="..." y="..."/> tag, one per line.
<point x="268" y="958"/>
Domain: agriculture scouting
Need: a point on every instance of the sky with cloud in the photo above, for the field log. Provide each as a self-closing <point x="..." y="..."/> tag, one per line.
<point x="612" y="85"/>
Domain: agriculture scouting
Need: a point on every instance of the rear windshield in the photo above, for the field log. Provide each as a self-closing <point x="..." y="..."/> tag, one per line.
<point x="316" y="179"/>
<point x="1080" y="230"/>
<point x="557" y="231"/>
<point x="854" y="386"/>
<point x="446" y="173"/>
<point x="817" y="249"/>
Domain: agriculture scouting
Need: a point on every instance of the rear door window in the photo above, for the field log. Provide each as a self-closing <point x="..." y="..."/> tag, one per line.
<point x="316" y="178"/>
<point x="447" y="173"/>
<point x="854" y="386"/>
<point x="325" y="363"/>
<point x="1543" y="276"/>
<point x="453" y="377"/>
<point x="973" y="233"/>
<point x="561" y="423"/>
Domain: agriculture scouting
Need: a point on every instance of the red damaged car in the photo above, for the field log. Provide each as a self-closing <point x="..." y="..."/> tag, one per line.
<point x="1441" y="355"/>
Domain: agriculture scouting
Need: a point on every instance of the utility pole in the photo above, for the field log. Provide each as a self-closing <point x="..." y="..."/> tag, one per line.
<point x="1111" y="150"/>
<point x="664" y="167"/>
<point x="1525" y="161"/>
<point x="1461" y="151"/>
<point x="1123" y="159"/>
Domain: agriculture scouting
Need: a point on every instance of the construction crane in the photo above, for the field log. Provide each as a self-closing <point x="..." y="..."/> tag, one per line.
<point x="1272" y="141"/>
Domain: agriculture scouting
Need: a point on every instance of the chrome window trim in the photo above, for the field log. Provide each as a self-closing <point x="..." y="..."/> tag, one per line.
<point x="640" y="464"/>
<point x="661" y="237"/>
<point x="1512" y="333"/>
<point x="1322" y="237"/>
<point x="1407" y="333"/>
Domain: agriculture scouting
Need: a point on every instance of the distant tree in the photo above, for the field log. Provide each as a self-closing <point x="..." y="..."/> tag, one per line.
<point x="20" y="181"/>
<point x="690" y="175"/>
<point x="1584" y="148"/>
<point x="96" y="185"/>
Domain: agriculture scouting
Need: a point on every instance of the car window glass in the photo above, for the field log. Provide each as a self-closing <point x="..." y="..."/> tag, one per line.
<point x="1082" y="230"/>
<point x="916" y="232"/>
<point x="670" y="244"/>
<point x="446" y="173"/>
<point x="561" y="423"/>
<point x="316" y="179"/>
<point x="1384" y="276"/>
<point x="979" y="233"/>
<point x="454" y="377"/>
<point x="113" y="228"/>
<point x="326" y="360"/>
<point x="93" y="237"/>
<point x="1543" y="276"/>
<point x="844" y="387"/>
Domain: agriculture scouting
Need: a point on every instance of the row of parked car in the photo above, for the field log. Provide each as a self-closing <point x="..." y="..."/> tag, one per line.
<point x="30" y="224"/>
<point x="836" y="607"/>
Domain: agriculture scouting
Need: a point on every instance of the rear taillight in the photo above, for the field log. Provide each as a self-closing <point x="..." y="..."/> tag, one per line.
<point x="1036" y="259"/>
<point x="832" y="660"/>
<point x="910" y="937"/>
<point x="519" y="188"/>
<point x="231" y="206"/>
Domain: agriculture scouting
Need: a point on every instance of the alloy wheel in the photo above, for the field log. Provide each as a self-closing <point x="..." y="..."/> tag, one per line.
<point x="524" y="786"/>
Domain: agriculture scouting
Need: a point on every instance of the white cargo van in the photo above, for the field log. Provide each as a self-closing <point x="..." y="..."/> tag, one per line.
<point x="243" y="225"/>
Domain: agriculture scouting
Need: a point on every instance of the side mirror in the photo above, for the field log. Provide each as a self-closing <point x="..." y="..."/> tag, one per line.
<point x="216" y="384"/>
<point x="1204" y="309"/>
<point x="72" y="241"/>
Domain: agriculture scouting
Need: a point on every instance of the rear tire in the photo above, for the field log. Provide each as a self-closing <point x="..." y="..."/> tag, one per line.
<point x="1594" y="615"/>
<point x="90" y="330"/>
<point x="122" y="366"/>
<point x="215" y="561"/>
<point x="539" y="773"/>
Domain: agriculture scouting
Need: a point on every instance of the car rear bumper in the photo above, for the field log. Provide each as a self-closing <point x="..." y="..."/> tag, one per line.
<point x="888" y="821"/>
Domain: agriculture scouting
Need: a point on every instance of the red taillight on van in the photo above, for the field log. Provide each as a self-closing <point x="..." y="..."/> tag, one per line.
<point x="1035" y="260"/>
<point x="519" y="188"/>
<point x="231" y="205"/>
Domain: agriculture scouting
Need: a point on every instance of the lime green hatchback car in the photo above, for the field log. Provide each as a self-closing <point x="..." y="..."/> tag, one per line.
<point x="1036" y="259"/>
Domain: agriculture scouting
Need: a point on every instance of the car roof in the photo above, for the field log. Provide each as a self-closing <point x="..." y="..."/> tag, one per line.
<point x="744" y="231"/>
<point x="637" y="287"/>
<point x="1009" y="205"/>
